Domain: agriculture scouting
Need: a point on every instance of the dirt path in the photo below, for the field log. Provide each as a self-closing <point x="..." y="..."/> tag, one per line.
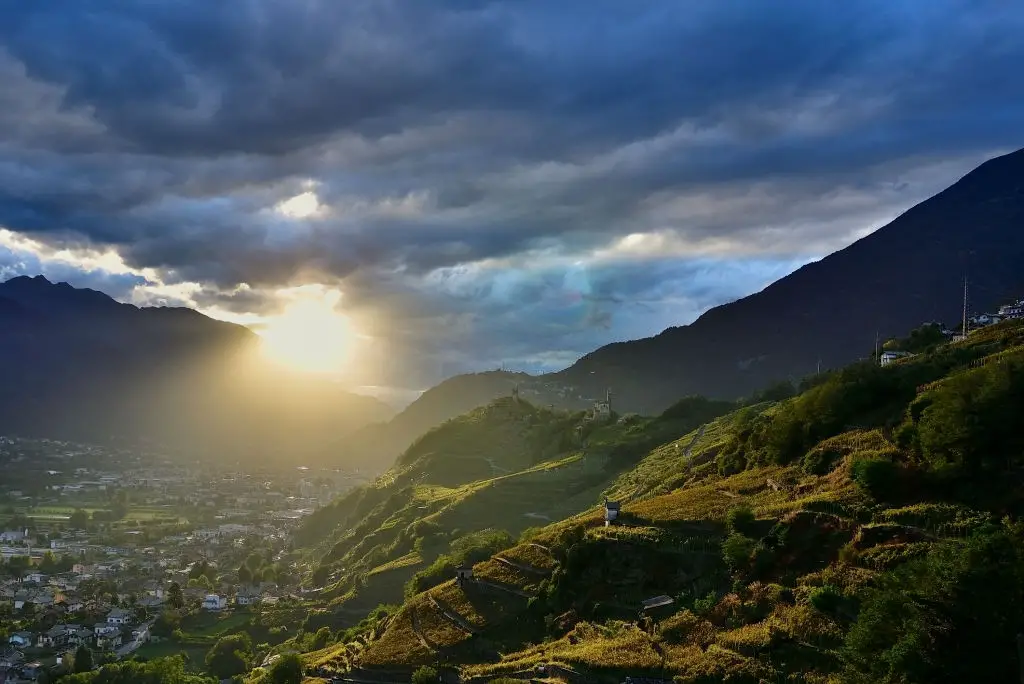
<point x="542" y="548"/>
<point x="522" y="566"/>
<point x="693" y="442"/>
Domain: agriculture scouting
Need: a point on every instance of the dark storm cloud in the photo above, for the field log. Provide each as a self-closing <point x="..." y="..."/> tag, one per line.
<point x="531" y="134"/>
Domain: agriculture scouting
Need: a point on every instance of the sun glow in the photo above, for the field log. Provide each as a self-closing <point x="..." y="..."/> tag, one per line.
<point x="309" y="335"/>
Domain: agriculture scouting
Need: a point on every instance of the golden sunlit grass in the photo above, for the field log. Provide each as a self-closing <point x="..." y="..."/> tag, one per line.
<point x="309" y="335"/>
<point x="618" y="646"/>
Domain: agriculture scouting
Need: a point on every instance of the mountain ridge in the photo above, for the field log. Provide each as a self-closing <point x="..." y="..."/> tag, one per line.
<point x="78" y="364"/>
<point x="791" y="315"/>
<point x="909" y="271"/>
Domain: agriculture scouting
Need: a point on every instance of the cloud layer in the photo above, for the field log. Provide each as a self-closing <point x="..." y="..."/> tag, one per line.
<point x="484" y="181"/>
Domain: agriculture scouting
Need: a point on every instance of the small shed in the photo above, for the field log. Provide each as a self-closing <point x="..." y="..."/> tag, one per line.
<point x="463" y="574"/>
<point x="611" y="510"/>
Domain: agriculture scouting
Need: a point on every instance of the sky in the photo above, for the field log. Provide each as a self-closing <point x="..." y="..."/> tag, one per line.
<point x="477" y="183"/>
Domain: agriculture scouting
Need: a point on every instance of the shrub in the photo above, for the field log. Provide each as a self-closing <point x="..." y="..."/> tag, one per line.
<point x="740" y="519"/>
<point x="876" y="476"/>
<point x="826" y="599"/>
<point x="425" y="675"/>
<point x="703" y="606"/>
<point x="820" y="461"/>
<point x="737" y="549"/>
<point x="731" y="460"/>
<point x="287" y="670"/>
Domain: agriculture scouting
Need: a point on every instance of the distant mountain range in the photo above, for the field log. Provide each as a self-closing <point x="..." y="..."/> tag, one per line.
<point x="75" y="362"/>
<point x="908" y="272"/>
<point x="78" y="365"/>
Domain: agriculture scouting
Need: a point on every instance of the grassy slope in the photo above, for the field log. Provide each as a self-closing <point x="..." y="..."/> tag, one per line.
<point x="508" y="465"/>
<point x="814" y="530"/>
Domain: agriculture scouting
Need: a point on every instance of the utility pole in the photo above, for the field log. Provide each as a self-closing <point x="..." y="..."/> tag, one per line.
<point x="965" y="307"/>
<point x="876" y="346"/>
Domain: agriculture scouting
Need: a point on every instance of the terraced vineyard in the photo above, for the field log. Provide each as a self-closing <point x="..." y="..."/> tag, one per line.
<point x="784" y="534"/>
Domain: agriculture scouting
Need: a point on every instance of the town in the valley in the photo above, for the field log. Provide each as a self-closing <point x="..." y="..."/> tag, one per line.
<point x="100" y="545"/>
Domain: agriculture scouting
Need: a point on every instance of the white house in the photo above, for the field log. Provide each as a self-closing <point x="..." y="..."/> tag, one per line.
<point x="1014" y="310"/>
<point x="985" y="319"/>
<point x="21" y="598"/>
<point x="109" y="641"/>
<point x="103" y="629"/>
<point x="118" y="617"/>
<point x="214" y="602"/>
<point x="890" y="356"/>
<point x="21" y="639"/>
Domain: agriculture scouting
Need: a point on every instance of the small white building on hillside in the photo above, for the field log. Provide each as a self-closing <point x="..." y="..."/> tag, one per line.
<point x="214" y="602"/>
<point x="890" y="356"/>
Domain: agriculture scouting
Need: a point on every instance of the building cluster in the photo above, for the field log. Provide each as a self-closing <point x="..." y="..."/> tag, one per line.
<point x="1005" y="312"/>
<point x="110" y="605"/>
<point x="101" y="584"/>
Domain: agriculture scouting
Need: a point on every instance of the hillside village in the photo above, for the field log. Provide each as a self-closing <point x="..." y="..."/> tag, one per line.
<point x="897" y="349"/>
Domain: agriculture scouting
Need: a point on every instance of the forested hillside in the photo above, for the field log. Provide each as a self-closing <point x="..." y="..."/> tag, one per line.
<point x="865" y="529"/>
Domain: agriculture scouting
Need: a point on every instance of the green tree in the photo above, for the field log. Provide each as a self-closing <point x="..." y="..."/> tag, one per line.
<point x="202" y="581"/>
<point x="287" y="670"/>
<point x="160" y="671"/>
<point x="231" y="655"/>
<point x="879" y="477"/>
<point x="737" y="549"/>
<point x="425" y="675"/>
<point x="947" y="618"/>
<point x="166" y="623"/>
<point x="83" y="659"/>
<point x="244" y="574"/>
<point x="254" y="562"/>
<point x="321" y="639"/>
<point x="971" y="425"/>
<point x="48" y="563"/>
<point x="175" y="597"/>
<point x="79" y="520"/>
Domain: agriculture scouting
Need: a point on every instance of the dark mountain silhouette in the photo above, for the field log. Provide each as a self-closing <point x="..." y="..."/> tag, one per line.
<point x="908" y="272"/>
<point x="78" y="365"/>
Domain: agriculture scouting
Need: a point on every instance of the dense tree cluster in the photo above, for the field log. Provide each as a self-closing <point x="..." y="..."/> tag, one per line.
<point x="950" y="617"/>
<point x="159" y="671"/>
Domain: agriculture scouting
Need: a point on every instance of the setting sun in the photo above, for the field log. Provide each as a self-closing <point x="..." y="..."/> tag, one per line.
<point x="309" y="335"/>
